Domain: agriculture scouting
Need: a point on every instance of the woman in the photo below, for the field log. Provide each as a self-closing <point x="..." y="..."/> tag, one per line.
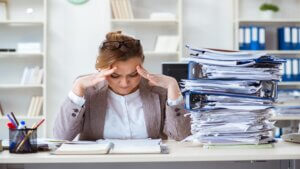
<point x="123" y="100"/>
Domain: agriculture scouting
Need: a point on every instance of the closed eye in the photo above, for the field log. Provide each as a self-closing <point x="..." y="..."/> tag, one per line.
<point x="114" y="76"/>
<point x="134" y="74"/>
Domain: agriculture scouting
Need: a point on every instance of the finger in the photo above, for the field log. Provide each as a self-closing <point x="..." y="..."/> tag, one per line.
<point x="142" y="72"/>
<point x="107" y="72"/>
<point x="98" y="79"/>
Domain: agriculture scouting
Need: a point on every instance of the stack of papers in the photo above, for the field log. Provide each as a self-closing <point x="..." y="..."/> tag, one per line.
<point x="113" y="146"/>
<point x="288" y="103"/>
<point x="230" y="96"/>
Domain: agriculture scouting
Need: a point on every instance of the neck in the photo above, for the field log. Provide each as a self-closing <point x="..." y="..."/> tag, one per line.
<point x="132" y="91"/>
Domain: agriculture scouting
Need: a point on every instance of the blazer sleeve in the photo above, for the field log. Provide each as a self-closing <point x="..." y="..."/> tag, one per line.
<point x="177" y="126"/>
<point x="69" y="121"/>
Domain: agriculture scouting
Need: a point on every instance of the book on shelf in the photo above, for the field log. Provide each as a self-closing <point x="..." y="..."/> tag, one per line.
<point x="35" y="106"/>
<point x="166" y="43"/>
<point x="162" y="16"/>
<point x="113" y="146"/>
<point x="32" y="75"/>
<point x="121" y="9"/>
<point x="1" y="110"/>
<point x="3" y="10"/>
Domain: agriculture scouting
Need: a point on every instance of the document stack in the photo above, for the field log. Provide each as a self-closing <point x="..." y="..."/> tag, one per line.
<point x="230" y="96"/>
<point x="288" y="103"/>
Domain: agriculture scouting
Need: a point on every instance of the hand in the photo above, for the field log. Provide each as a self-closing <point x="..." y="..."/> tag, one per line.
<point x="164" y="81"/>
<point x="90" y="80"/>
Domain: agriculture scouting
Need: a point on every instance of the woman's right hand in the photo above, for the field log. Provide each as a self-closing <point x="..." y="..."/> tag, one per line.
<point x="90" y="80"/>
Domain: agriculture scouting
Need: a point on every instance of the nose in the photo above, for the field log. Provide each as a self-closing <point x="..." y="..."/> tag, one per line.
<point x="124" y="82"/>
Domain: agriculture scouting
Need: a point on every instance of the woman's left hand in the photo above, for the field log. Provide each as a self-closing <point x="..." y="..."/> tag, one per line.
<point x="164" y="81"/>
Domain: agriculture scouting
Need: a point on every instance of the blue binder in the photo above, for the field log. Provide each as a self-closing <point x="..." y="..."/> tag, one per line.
<point x="262" y="38"/>
<point x="298" y="44"/>
<point x="254" y="44"/>
<point x="284" y="38"/>
<point x="242" y="38"/>
<point x="294" y="38"/>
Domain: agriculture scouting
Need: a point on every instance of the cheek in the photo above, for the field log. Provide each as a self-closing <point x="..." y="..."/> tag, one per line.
<point x="111" y="81"/>
<point x="136" y="80"/>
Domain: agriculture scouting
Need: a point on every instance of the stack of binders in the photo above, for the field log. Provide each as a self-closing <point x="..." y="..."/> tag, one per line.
<point x="230" y="96"/>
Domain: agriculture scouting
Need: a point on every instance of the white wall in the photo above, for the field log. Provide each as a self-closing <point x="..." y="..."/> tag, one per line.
<point x="75" y="32"/>
<point x="208" y="23"/>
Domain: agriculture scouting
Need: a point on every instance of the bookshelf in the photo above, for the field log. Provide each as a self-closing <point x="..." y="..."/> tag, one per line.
<point x="246" y="13"/>
<point x="147" y="29"/>
<point x="26" y="23"/>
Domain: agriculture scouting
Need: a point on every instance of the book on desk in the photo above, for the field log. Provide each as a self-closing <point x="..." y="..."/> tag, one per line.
<point x="112" y="146"/>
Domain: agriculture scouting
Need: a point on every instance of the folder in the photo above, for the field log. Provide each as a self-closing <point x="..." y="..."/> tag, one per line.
<point x="254" y="44"/>
<point x="294" y="37"/>
<point x="284" y="38"/>
<point x="298" y="44"/>
<point x="262" y="38"/>
<point x="247" y="38"/>
<point x="241" y="38"/>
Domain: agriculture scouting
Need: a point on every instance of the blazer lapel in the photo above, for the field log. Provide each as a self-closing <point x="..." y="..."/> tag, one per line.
<point x="151" y="108"/>
<point x="98" y="107"/>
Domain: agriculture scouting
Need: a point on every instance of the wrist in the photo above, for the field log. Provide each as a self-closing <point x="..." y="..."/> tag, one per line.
<point x="174" y="91"/>
<point x="78" y="90"/>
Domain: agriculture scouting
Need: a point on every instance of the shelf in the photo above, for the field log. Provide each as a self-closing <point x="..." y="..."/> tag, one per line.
<point x="152" y="53"/>
<point x="23" y="117"/>
<point x="18" y="86"/>
<point x="19" y="55"/>
<point x="270" y="21"/>
<point x="288" y="52"/>
<point x="21" y="23"/>
<point x="144" y="21"/>
<point x="289" y="85"/>
<point x="285" y="117"/>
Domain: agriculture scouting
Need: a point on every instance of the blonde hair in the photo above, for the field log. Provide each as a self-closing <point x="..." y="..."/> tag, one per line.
<point x="108" y="56"/>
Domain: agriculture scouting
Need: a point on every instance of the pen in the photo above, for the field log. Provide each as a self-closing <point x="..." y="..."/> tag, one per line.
<point x="10" y="125"/>
<point x="14" y="117"/>
<point x="35" y="126"/>
<point x="11" y="120"/>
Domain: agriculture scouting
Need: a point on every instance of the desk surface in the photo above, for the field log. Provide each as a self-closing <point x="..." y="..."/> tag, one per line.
<point x="179" y="152"/>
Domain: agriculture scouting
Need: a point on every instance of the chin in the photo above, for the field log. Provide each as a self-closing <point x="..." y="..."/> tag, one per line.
<point x="124" y="91"/>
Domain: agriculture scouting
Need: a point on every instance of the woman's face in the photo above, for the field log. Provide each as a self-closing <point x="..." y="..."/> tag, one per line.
<point x="125" y="79"/>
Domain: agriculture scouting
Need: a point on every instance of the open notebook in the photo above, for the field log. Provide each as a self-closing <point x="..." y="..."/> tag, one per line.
<point x="115" y="146"/>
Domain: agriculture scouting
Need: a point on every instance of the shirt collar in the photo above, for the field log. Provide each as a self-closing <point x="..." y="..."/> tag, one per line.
<point x="128" y="97"/>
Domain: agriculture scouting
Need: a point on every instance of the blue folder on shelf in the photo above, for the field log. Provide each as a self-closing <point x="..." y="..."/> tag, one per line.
<point x="284" y="38"/>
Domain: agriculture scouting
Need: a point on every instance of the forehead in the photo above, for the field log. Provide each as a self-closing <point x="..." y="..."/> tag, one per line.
<point x="128" y="66"/>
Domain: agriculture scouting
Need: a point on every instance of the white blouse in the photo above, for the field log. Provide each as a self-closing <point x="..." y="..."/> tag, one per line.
<point x="124" y="117"/>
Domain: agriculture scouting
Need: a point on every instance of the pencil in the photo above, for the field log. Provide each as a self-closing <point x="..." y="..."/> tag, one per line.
<point x="35" y="126"/>
<point x="14" y="117"/>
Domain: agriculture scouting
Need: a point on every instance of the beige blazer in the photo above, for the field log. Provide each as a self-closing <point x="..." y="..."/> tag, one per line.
<point x="162" y="121"/>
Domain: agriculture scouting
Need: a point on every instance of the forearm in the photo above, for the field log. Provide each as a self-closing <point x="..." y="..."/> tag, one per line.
<point x="177" y="126"/>
<point x="69" y="121"/>
<point x="173" y="90"/>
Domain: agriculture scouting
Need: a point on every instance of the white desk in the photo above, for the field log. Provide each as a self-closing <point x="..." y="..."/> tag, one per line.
<point x="179" y="152"/>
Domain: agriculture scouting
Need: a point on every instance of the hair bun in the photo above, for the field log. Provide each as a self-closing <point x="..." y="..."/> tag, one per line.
<point x="113" y="36"/>
<point x="117" y="36"/>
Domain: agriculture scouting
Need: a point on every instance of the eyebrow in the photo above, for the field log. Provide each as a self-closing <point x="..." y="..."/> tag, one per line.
<point x="127" y="74"/>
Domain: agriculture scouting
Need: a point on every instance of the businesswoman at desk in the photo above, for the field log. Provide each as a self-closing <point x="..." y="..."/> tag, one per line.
<point x="122" y="100"/>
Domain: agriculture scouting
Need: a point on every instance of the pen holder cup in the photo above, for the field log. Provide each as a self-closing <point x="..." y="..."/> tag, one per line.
<point x="23" y="141"/>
